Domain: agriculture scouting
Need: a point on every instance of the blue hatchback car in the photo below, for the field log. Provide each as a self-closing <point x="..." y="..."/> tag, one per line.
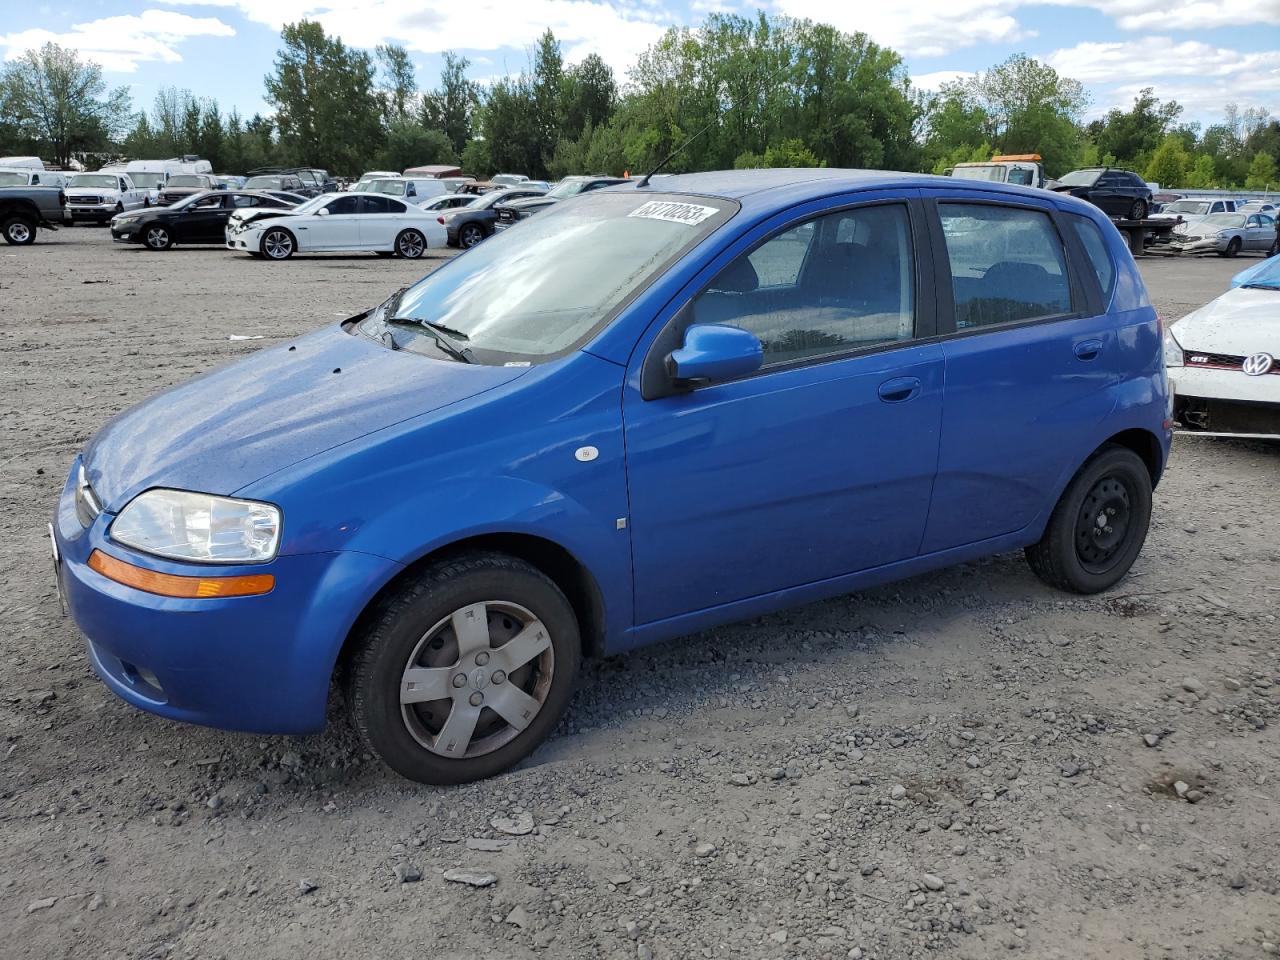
<point x="645" y="412"/>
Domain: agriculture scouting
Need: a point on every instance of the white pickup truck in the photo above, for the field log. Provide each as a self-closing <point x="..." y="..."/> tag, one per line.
<point x="97" y="197"/>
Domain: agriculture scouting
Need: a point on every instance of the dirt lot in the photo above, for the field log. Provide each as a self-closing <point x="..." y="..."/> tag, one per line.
<point x="956" y="765"/>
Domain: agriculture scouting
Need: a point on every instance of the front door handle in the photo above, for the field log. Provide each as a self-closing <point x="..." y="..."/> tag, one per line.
<point x="899" y="389"/>
<point x="1088" y="349"/>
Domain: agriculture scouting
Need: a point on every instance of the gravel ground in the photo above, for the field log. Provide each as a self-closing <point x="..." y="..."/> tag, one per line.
<point x="962" y="764"/>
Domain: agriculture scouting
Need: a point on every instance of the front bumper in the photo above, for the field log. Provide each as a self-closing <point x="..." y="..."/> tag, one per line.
<point x="126" y="233"/>
<point x="101" y="213"/>
<point x="1207" y="245"/>
<point x="1225" y="402"/>
<point x="261" y="664"/>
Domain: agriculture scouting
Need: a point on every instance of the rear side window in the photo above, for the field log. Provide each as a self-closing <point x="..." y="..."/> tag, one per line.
<point x="1007" y="264"/>
<point x="1095" y="249"/>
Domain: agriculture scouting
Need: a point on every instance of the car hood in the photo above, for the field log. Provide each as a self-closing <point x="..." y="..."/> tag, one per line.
<point x="244" y="421"/>
<point x="531" y="203"/>
<point x="1239" y="323"/>
<point x="264" y="213"/>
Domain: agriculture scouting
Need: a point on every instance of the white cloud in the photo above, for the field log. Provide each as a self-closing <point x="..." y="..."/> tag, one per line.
<point x="1198" y="75"/>
<point x="935" y="80"/>
<point x="617" y="33"/>
<point x="1186" y="14"/>
<point x="119" y="44"/>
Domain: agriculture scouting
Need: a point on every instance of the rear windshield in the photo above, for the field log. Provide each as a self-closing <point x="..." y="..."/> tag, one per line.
<point x="1196" y="207"/>
<point x="531" y="294"/>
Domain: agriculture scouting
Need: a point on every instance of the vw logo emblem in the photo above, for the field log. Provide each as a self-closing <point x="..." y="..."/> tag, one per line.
<point x="1258" y="364"/>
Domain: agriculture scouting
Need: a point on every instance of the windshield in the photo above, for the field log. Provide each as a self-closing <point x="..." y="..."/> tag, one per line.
<point x="1225" y="220"/>
<point x="529" y="295"/>
<point x="314" y="204"/>
<point x="567" y="188"/>
<point x="262" y="183"/>
<point x="392" y="188"/>
<point x="1080" y="178"/>
<point x="13" y="179"/>
<point x="93" y="180"/>
<point x="146" y="181"/>
<point x="1195" y="207"/>
<point x="187" y="180"/>
<point x="986" y="171"/>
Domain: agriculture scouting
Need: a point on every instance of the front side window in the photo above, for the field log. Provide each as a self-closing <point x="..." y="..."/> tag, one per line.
<point x="1007" y="264"/>
<point x="207" y="203"/>
<point x="346" y="205"/>
<point x="844" y="281"/>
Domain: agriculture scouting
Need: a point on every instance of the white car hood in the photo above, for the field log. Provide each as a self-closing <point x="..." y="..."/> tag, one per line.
<point x="1239" y="323"/>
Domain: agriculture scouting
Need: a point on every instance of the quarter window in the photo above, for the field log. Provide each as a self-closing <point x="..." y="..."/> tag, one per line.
<point x="1007" y="264"/>
<point x="1095" y="249"/>
<point x="841" y="282"/>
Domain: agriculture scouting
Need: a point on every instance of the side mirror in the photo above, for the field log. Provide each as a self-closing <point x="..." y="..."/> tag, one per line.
<point x="712" y="352"/>
<point x="322" y="212"/>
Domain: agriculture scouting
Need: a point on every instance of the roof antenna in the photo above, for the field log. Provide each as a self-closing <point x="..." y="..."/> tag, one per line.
<point x="644" y="182"/>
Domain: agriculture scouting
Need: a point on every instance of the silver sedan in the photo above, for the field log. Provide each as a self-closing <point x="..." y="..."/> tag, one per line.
<point x="1225" y="234"/>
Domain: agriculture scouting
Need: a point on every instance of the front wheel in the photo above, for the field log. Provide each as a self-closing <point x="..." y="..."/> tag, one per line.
<point x="465" y="669"/>
<point x="1099" y="525"/>
<point x="157" y="237"/>
<point x="1233" y="248"/>
<point x="411" y="244"/>
<point x="19" y="231"/>
<point x="277" y="244"/>
<point x="470" y="235"/>
<point x="1139" y="210"/>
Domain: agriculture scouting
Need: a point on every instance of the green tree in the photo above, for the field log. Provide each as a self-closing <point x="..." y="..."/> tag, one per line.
<point x="451" y="107"/>
<point x="547" y="88"/>
<point x="1168" y="166"/>
<point x="788" y="153"/>
<point x="326" y="105"/>
<point x="1262" y="172"/>
<point x="1137" y="132"/>
<point x="411" y="145"/>
<point x="399" y="86"/>
<point x="1033" y="109"/>
<point x="54" y="99"/>
<point x="1201" y="176"/>
<point x="589" y="95"/>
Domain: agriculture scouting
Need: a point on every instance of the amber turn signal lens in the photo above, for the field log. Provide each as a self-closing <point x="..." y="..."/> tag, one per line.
<point x="168" y="585"/>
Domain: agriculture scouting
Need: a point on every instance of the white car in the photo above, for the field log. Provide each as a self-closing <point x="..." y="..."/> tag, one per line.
<point x="1224" y="361"/>
<point x="1190" y="208"/>
<point x="337" y="221"/>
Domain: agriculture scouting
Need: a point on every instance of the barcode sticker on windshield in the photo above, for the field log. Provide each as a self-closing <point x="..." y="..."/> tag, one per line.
<point x="690" y="214"/>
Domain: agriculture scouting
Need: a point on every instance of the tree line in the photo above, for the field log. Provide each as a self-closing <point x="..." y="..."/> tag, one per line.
<point x="750" y="92"/>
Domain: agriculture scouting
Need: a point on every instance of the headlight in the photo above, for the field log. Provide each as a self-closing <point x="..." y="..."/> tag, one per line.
<point x="199" y="527"/>
<point x="1172" y="350"/>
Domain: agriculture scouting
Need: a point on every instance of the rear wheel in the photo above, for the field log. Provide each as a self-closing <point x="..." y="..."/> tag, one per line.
<point x="1099" y="525"/>
<point x="470" y="235"/>
<point x="411" y="244"/>
<point x="157" y="237"/>
<point x="277" y="244"/>
<point x="1233" y="248"/>
<point x="465" y="669"/>
<point x="19" y="231"/>
<point x="1138" y="211"/>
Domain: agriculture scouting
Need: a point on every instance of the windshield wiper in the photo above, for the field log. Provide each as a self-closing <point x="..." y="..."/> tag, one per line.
<point x="445" y="337"/>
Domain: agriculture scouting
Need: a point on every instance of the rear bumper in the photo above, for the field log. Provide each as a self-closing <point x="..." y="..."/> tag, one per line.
<point x="261" y="664"/>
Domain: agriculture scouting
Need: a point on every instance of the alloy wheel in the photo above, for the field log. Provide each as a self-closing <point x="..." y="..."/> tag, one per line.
<point x="471" y="235"/>
<point x="157" y="238"/>
<point x="277" y="244"/>
<point x="476" y="679"/>
<point x="410" y="245"/>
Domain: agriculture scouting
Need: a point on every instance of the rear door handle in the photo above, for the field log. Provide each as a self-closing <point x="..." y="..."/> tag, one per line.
<point x="899" y="389"/>
<point x="1088" y="349"/>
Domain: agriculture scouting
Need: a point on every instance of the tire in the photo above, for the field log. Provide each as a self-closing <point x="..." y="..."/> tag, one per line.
<point x="1233" y="248"/>
<point x="1078" y="555"/>
<point x="146" y="203"/>
<point x="413" y="628"/>
<point x="411" y="244"/>
<point x="19" y="231"/>
<point x="470" y="235"/>
<point x="119" y="209"/>
<point x="277" y="244"/>
<point x="1138" y="211"/>
<point x="157" y="237"/>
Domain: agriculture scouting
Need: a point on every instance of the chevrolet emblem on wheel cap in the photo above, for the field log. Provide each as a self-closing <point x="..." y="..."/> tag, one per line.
<point x="1258" y="364"/>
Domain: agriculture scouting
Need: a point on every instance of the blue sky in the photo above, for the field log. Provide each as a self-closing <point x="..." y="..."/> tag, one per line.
<point x="1202" y="53"/>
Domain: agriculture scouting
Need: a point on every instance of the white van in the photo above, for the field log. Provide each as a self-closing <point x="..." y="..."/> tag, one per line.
<point x="21" y="176"/>
<point x="152" y="175"/>
<point x="415" y="190"/>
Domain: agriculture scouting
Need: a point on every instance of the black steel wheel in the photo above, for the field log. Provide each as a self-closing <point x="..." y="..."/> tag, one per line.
<point x="1099" y="525"/>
